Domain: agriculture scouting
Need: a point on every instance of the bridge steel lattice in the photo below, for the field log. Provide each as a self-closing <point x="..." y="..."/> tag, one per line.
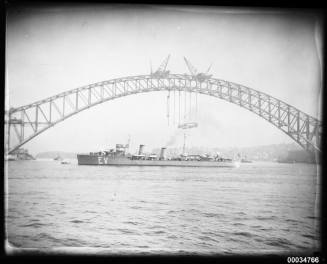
<point x="26" y="122"/>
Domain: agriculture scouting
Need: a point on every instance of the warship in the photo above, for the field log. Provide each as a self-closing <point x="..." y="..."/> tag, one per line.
<point x="120" y="157"/>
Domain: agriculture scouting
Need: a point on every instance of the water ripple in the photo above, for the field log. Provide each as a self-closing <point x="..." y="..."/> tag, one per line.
<point x="259" y="208"/>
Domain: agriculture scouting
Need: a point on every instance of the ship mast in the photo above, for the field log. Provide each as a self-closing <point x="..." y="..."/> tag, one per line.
<point x="128" y="144"/>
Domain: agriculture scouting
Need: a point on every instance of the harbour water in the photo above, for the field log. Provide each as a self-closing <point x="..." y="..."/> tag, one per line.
<point x="258" y="208"/>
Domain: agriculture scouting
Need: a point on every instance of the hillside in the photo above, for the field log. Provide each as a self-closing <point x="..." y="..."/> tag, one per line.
<point x="264" y="153"/>
<point x="54" y="154"/>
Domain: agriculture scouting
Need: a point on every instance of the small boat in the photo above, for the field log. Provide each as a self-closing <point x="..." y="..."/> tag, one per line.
<point x="57" y="158"/>
<point x="65" y="162"/>
<point x="246" y="161"/>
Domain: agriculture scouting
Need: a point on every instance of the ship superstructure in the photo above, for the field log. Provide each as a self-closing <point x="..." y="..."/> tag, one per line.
<point x="120" y="157"/>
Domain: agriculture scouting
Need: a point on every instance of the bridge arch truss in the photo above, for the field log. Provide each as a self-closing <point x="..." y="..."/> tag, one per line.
<point x="26" y="122"/>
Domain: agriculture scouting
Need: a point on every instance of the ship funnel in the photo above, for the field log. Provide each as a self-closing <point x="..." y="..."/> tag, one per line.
<point x="162" y="154"/>
<point x="141" y="149"/>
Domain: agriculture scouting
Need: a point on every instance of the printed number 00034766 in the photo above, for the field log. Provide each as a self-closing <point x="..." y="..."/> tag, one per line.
<point x="302" y="259"/>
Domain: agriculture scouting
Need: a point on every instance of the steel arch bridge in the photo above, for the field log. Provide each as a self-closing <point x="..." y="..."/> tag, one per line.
<point x="37" y="117"/>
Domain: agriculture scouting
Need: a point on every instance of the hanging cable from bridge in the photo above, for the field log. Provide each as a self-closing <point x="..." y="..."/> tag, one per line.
<point x="184" y="103"/>
<point x="168" y="105"/>
<point x="174" y="107"/>
<point x="190" y="105"/>
<point x="179" y="107"/>
<point x="196" y="104"/>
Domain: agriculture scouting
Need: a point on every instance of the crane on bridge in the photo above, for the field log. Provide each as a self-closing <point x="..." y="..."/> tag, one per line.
<point x="161" y="72"/>
<point x="199" y="76"/>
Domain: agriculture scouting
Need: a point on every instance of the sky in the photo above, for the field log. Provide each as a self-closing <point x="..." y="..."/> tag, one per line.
<point x="51" y="49"/>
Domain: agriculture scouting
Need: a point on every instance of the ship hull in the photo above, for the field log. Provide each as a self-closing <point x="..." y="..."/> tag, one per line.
<point x="122" y="161"/>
